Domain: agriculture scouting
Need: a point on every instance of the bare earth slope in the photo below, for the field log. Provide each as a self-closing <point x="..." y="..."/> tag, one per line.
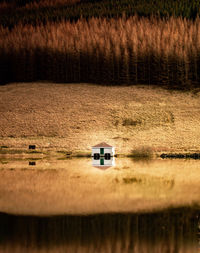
<point x="76" y="116"/>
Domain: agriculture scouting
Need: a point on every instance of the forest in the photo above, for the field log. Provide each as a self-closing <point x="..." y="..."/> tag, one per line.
<point x="107" y="42"/>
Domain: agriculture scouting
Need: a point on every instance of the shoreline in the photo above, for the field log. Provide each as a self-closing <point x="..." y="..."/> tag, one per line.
<point x="7" y="152"/>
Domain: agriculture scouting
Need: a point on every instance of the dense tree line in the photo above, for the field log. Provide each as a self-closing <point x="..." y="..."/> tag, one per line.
<point x="116" y="51"/>
<point x="189" y="9"/>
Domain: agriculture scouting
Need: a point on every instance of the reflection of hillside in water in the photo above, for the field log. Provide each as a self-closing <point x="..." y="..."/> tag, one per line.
<point x="74" y="186"/>
<point x="172" y="231"/>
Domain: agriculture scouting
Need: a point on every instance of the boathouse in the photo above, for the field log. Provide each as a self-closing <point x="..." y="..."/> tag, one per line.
<point x="103" y="149"/>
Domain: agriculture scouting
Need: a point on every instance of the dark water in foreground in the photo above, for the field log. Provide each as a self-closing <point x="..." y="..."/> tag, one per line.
<point x="168" y="231"/>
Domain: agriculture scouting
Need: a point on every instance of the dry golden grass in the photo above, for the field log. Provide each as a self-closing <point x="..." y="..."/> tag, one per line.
<point x="74" y="117"/>
<point x="133" y="50"/>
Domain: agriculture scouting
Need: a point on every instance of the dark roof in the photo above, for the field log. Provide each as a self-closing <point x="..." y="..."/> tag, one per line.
<point x="102" y="144"/>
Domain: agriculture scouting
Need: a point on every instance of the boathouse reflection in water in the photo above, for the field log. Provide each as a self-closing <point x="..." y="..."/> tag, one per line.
<point x="103" y="162"/>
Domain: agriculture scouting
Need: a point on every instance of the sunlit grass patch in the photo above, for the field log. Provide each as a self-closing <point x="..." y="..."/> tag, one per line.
<point x="131" y="122"/>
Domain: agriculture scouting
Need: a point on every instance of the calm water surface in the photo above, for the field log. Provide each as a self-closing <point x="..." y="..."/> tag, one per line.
<point x="77" y="206"/>
<point x="77" y="186"/>
<point x="169" y="231"/>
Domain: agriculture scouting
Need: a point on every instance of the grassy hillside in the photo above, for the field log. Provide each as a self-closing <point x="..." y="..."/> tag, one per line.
<point x="115" y="51"/>
<point x="75" y="117"/>
<point x="34" y="12"/>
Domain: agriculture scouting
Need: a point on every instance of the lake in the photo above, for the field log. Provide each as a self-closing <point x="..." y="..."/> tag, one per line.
<point x="160" y="232"/>
<point x="74" y="205"/>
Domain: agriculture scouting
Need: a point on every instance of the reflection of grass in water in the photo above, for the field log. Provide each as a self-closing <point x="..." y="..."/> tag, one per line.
<point x="158" y="184"/>
<point x="148" y="181"/>
<point x="3" y="161"/>
<point x="131" y="180"/>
